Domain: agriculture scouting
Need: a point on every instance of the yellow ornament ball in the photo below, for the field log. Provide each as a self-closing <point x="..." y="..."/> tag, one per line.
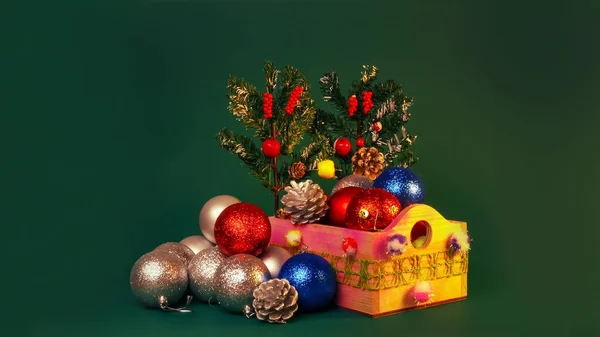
<point x="294" y="238"/>
<point x="326" y="169"/>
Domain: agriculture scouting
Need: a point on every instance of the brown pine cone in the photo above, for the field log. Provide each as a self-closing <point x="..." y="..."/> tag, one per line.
<point x="368" y="162"/>
<point x="297" y="170"/>
<point x="275" y="301"/>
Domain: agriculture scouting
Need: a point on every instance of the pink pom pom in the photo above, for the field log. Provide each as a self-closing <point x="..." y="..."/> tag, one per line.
<point x="422" y="292"/>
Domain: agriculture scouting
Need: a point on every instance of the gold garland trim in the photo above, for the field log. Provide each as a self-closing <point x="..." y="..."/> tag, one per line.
<point x="394" y="271"/>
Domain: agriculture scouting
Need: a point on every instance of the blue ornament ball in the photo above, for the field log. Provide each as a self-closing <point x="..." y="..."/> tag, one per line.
<point x="403" y="183"/>
<point x="314" y="279"/>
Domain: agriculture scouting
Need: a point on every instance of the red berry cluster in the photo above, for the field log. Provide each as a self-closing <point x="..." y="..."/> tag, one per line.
<point x="294" y="97"/>
<point x="352" y="105"/>
<point x="268" y="105"/>
<point x="367" y="103"/>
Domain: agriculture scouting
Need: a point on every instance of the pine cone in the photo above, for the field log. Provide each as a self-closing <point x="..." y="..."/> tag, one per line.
<point x="304" y="202"/>
<point x="297" y="170"/>
<point x="275" y="301"/>
<point x="368" y="162"/>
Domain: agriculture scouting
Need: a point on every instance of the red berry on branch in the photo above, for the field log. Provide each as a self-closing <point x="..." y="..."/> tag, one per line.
<point x="267" y="105"/>
<point x="360" y="142"/>
<point x="352" y="105"/>
<point x="377" y="126"/>
<point x="342" y="146"/>
<point x="271" y="147"/>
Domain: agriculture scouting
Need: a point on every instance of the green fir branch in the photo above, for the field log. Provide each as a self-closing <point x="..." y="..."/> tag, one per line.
<point x="271" y="75"/>
<point x="244" y="102"/>
<point x="330" y="88"/>
<point x="248" y="152"/>
<point x="369" y="74"/>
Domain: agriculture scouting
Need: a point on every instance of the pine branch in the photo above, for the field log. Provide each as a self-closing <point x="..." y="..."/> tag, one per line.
<point x="369" y="74"/>
<point x="249" y="153"/>
<point x="330" y="88"/>
<point x="271" y="75"/>
<point x="244" y="102"/>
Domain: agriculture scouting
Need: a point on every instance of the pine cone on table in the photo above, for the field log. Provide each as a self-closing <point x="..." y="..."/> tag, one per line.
<point x="368" y="162"/>
<point x="297" y="170"/>
<point x="275" y="301"/>
<point x="304" y="202"/>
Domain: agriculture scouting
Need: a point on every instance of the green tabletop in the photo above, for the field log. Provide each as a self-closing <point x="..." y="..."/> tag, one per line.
<point x="109" y="114"/>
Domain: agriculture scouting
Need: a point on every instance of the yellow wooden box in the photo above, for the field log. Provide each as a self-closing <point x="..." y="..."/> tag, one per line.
<point x="378" y="281"/>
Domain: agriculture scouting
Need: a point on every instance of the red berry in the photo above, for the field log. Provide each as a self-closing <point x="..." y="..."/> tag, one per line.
<point x="271" y="147"/>
<point x="342" y="146"/>
<point x="360" y="142"/>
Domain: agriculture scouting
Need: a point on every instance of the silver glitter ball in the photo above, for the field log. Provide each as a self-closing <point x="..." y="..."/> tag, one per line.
<point x="158" y="278"/>
<point x="235" y="281"/>
<point x="352" y="180"/>
<point x="197" y="243"/>
<point x="184" y="252"/>
<point x="274" y="257"/>
<point x="201" y="272"/>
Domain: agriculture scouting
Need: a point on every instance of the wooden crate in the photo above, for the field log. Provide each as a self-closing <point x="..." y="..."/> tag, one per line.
<point x="378" y="282"/>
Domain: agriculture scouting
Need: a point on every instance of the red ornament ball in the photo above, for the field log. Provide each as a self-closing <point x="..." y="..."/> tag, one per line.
<point x="372" y="209"/>
<point x="338" y="204"/>
<point x="271" y="148"/>
<point x="342" y="146"/>
<point x="360" y="142"/>
<point x="242" y="228"/>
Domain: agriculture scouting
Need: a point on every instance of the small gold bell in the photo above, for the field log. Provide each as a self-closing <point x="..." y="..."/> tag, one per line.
<point x="363" y="213"/>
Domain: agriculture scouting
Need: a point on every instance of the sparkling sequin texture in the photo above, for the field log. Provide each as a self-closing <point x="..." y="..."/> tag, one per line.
<point x="201" y="271"/>
<point x="313" y="277"/>
<point x="243" y="228"/>
<point x="352" y="180"/>
<point x="403" y="184"/>
<point x="372" y="209"/>
<point x="235" y="281"/>
<point x="182" y="251"/>
<point x="157" y="274"/>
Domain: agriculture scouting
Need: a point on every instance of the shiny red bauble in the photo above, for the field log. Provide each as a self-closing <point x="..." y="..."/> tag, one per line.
<point x="338" y="203"/>
<point x="242" y="228"/>
<point x="271" y="147"/>
<point x="372" y="209"/>
<point x="360" y="142"/>
<point x="342" y="146"/>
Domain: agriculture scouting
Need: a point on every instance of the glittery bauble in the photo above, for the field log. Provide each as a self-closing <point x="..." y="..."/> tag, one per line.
<point x="157" y="275"/>
<point x="352" y="180"/>
<point x="197" y="243"/>
<point x="372" y="209"/>
<point x="243" y="228"/>
<point x="201" y="272"/>
<point x="211" y="211"/>
<point x="338" y="203"/>
<point x="313" y="277"/>
<point x="274" y="257"/>
<point x="403" y="183"/>
<point x="184" y="252"/>
<point x="235" y="281"/>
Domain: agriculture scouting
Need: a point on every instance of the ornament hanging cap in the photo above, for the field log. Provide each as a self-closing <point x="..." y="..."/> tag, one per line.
<point x="164" y="304"/>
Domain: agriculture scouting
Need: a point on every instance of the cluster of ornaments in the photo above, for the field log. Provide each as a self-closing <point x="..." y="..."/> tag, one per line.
<point x="233" y="265"/>
<point x="356" y="201"/>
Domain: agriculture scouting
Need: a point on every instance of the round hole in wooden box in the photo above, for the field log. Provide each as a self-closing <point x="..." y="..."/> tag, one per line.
<point x="420" y="235"/>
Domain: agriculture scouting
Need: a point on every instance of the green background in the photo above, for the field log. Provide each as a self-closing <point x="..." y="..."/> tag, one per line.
<point x="109" y="111"/>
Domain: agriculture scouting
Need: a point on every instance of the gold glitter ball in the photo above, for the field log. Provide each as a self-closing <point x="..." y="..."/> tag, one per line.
<point x="235" y="281"/>
<point x="156" y="276"/>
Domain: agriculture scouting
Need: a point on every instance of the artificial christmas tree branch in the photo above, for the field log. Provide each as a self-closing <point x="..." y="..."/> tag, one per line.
<point x="378" y="109"/>
<point x="280" y="117"/>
